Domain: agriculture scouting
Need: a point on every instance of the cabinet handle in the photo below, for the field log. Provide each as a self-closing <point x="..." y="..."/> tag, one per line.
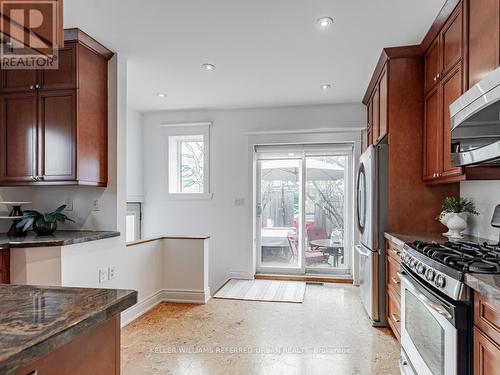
<point x="32" y="87"/>
<point x="395" y="281"/>
<point x="395" y="318"/>
<point x="395" y="252"/>
<point x="37" y="86"/>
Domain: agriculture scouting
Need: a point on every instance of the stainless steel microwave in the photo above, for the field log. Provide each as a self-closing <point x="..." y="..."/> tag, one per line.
<point x="475" y="124"/>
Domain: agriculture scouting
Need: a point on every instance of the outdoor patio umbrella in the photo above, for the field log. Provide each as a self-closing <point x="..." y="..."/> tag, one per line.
<point x="287" y="170"/>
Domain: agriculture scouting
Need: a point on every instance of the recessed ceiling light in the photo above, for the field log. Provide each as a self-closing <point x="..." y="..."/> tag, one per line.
<point x="209" y="67"/>
<point x="291" y="154"/>
<point x="161" y="95"/>
<point x="326" y="86"/>
<point x="325" y="22"/>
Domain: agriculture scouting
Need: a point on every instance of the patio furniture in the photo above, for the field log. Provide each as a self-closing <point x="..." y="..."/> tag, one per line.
<point x="316" y="233"/>
<point x="312" y="257"/>
<point x="275" y="244"/>
<point x="332" y="247"/>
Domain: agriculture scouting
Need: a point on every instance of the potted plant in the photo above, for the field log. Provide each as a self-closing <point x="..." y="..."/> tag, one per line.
<point x="455" y="214"/>
<point x="43" y="224"/>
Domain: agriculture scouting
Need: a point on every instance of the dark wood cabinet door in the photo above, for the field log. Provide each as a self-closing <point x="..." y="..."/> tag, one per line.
<point x="452" y="41"/>
<point x="432" y="136"/>
<point x="376" y="115"/>
<point x="432" y="65"/>
<point x="486" y="354"/>
<point x="369" y="134"/>
<point x="57" y="129"/>
<point x="4" y="265"/>
<point x="65" y="76"/>
<point x="18" y="132"/>
<point x="19" y="80"/>
<point x="383" y="102"/>
<point x="451" y="89"/>
<point x="484" y="38"/>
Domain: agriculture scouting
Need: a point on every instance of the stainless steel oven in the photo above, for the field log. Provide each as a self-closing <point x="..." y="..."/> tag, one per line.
<point x="434" y="330"/>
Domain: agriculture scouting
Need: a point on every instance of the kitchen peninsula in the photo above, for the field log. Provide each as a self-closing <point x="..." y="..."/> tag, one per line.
<point x="53" y="330"/>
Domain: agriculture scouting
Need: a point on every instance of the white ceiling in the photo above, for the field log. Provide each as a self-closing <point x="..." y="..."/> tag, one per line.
<point x="267" y="52"/>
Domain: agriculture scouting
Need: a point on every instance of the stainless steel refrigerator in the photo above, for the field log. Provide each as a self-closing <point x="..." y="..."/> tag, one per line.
<point x="371" y="215"/>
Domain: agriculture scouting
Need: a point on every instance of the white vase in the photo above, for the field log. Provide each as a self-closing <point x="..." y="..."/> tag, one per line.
<point x="456" y="224"/>
<point x="444" y="217"/>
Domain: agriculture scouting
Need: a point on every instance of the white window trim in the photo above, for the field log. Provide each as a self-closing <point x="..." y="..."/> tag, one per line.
<point x="180" y="129"/>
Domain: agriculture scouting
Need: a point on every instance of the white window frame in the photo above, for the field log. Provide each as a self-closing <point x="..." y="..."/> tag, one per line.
<point x="188" y="129"/>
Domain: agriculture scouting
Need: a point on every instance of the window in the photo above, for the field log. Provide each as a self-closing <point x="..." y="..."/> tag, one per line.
<point x="133" y="223"/>
<point x="188" y="161"/>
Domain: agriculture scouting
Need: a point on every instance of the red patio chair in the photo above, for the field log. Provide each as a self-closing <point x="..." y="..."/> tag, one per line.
<point x="311" y="256"/>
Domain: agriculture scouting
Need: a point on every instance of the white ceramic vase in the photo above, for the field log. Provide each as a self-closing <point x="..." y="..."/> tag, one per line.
<point x="445" y="216"/>
<point x="456" y="224"/>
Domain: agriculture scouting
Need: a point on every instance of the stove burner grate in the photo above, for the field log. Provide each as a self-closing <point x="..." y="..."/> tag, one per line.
<point x="463" y="256"/>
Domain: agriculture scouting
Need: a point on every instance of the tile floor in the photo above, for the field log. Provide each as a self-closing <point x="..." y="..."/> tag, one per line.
<point x="328" y="334"/>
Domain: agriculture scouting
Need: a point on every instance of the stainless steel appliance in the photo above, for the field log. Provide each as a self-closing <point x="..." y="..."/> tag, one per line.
<point x="436" y="305"/>
<point x="475" y="122"/>
<point x="371" y="218"/>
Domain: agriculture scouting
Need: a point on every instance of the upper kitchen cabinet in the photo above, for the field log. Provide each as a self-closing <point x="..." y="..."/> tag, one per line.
<point x="53" y="123"/>
<point x="377" y="108"/>
<point x="446" y="49"/>
<point x="444" y="83"/>
<point x="483" y="39"/>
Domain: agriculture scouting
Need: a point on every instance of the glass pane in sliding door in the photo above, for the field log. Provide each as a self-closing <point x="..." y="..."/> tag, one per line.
<point x="280" y="218"/>
<point x="326" y="210"/>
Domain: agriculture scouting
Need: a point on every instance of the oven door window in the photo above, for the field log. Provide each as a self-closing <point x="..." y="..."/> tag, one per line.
<point x="426" y="333"/>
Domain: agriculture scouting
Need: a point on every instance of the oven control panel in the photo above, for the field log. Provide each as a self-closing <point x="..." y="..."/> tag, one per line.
<point x="432" y="277"/>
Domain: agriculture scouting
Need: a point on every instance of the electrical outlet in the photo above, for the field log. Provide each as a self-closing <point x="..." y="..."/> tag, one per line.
<point x="103" y="275"/>
<point x="96" y="206"/>
<point x="239" y="202"/>
<point x="111" y="272"/>
<point x="69" y="204"/>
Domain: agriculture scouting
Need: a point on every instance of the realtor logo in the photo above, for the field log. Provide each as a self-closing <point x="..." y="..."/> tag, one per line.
<point x="29" y="34"/>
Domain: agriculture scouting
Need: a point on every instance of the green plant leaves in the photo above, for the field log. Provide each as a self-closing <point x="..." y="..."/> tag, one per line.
<point x="30" y="216"/>
<point x="454" y="205"/>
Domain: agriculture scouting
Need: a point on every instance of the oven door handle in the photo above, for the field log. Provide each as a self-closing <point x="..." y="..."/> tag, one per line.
<point x="435" y="306"/>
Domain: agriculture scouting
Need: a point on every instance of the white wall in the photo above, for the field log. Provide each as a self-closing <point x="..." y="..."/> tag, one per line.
<point x="135" y="178"/>
<point x="486" y="196"/>
<point x="229" y="226"/>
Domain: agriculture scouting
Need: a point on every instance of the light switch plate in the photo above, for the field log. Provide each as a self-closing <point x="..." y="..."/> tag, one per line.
<point x="69" y="204"/>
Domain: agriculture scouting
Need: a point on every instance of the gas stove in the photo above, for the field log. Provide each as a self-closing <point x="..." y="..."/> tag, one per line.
<point x="443" y="265"/>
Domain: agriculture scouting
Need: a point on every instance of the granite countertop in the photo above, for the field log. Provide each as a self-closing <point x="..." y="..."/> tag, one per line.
<point x="59" y="238"/>
<point x="486" y="284"/>
<point x="35" y="321"/>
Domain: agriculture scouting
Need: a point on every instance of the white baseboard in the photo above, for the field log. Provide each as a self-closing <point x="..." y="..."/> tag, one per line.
<point x="165" y="295"/>
<point x="241" y="275"/>
<point x="139" y="309"/>
<point x="186" y="296"/>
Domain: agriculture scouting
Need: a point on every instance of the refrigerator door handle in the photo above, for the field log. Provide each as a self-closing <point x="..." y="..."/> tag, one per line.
<point x="362" y="251"/>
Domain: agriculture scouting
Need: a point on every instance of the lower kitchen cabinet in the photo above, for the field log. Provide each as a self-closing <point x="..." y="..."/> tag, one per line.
<point x="96" y="352"/>
<point x="4" y="265"/>
<point x="486" y="354"/>
<point x="486" y="336"/>
<point x="393" y="283"/>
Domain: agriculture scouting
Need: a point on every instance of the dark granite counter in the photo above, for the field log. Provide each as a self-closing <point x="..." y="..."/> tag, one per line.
<point x="401" y="239"/>
<point x="488" y="285"/>
<point x="59" y="238"/>
<point x="35" y="321"/>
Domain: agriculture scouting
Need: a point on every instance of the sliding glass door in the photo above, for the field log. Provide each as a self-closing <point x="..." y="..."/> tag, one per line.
<point x="304" y="209"/>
